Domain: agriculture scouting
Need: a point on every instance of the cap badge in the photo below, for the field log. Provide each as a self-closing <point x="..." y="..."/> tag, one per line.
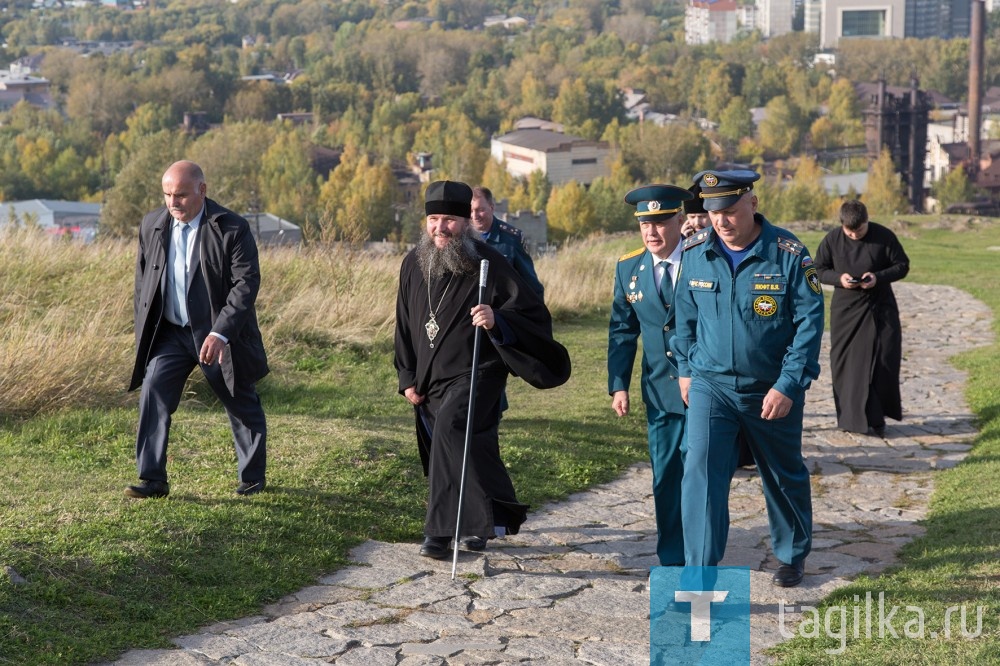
<point x="653" y="205"/>
<point x="711" y="179"/>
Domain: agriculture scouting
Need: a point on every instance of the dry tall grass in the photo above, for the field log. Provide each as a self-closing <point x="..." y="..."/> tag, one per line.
<point x="66" y="309"/>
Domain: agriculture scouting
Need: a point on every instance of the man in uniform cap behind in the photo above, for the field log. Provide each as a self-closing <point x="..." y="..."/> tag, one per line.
<point x="437" y="312"/>
<point x="751" y="299"/>
<point x="642" y="306"/>
<point x="507" y="239"/>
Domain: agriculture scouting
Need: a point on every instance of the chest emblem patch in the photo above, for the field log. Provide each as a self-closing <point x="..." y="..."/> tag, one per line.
<point x="765" y="306"/>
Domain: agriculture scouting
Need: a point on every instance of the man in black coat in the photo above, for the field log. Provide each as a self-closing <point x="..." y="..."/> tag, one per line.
<point x="437" y="313"/>
<point x="196" y="281"/>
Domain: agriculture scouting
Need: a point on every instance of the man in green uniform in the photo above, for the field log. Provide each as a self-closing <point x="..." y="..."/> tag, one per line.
<point x="749" y="314"/>
<point x="644" y="287"/>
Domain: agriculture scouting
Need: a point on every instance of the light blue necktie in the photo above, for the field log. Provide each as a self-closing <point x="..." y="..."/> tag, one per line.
<point x="179" y="274"/>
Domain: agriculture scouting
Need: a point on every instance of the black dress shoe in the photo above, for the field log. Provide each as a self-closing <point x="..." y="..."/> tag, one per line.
<point x="878" y="431"/>
<point x="789" y="575"/>
<point x="436" y="547"/>
<point x="250" y="487"/>
<point x="146" y="488"/>
<point x="472" y="543"/>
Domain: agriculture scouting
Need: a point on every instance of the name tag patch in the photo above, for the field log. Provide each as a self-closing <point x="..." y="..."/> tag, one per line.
<point x="701" y="285"/>
<point x="767" y="288"/>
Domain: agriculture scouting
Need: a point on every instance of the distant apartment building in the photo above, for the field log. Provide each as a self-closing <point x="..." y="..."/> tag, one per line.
<point x="707" y="21"/>
<point x="921" y="19"/>
<point x="851" y="19"/>
<point x="772" y="17"/>
<point x="561" y="157"/>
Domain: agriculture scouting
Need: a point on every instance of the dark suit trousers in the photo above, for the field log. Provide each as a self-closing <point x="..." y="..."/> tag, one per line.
<point x="173" y="358"/>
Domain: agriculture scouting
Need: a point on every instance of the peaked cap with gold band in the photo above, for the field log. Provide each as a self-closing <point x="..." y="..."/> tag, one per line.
<point x="657" y="202"/>
<point x="721" y="189"/>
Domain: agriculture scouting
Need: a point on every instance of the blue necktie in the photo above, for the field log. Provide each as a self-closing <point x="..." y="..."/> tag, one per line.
<point x="179" y="274"/>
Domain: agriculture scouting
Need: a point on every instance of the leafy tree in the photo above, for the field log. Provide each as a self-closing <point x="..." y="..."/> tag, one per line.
<point x="884" y="196"/>
<point x="713" y="91"/>
<point x="662" y="154"/>
<point x="539" y="190"/>
<point x="781" y="129"/>
<point x="607" y="195"/>
<point x="954" y="187"/>
<point x="101" y="99"/>
<point x="287" y="186"/>
<point x="137" y="189"/>
<point x="357" y="200"/>
<point x="232" y="156"/>
<point x="804" y="198"/>
<point x="570" y="212"/>
<point x="459" y="147"/>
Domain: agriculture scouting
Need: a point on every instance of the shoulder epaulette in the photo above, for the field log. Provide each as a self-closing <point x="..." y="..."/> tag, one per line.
<point x="634" y="253"/>
<point x="790" y="245"/>
<point x="696" y="239"/>
<point x="510" y="229"/>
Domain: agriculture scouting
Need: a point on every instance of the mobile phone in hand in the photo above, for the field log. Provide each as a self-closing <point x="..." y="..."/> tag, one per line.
<point x="853" y="280"/>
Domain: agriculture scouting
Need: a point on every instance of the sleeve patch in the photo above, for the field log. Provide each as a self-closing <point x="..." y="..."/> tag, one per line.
<point x="813" y="279"/>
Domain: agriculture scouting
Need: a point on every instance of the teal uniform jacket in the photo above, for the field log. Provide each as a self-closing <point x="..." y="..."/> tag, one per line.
<point x="759" y="330"/>
<point x="509" y="241"/>
<point x="637" y="310"/>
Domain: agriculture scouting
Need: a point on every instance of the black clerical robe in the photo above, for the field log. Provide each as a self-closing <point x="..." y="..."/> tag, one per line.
<point x="521" y="343"/>
<point x="865" y="332"/>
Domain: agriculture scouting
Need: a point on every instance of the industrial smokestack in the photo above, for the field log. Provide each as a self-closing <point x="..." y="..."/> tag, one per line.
<point x="976" y="47"/>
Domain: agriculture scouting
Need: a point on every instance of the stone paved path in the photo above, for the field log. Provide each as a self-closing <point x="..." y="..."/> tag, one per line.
<point x="571" y="589"/>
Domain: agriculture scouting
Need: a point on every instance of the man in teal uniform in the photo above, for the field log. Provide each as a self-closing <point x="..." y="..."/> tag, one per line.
<point x="642" y="306"/>
<point x="749" y="313"/>
<point x="503" y="237"/>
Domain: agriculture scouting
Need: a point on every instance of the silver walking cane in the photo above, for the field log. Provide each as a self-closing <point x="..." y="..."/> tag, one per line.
<point x="484" y="267"/>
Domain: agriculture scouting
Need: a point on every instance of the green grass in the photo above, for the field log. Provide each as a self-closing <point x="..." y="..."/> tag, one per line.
<point x="106" y="574"/>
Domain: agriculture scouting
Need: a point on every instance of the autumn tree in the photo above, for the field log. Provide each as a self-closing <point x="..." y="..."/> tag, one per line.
<point x="662" y="154"/>
<point x="954" y="187"/>
<point x="358" y="200"/>
<point x="137" y="190"/>
<point x="884" y="195"/>
<point x="804" y="197"/>
<point x="607" y="195"/>
<point x="232" y="157"/>
<point x="288" y="184"/>
<point x="570" y="212"/>
<point x="781" y="129"/>
<point x="460" y="148"/>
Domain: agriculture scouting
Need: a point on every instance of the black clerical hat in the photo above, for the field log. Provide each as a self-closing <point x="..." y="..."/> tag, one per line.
<point x="448" y="197"/>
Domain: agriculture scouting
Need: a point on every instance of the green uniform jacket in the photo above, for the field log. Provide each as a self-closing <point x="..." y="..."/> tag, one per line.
<point x="638" y="310"/>
<point x="758" y="329"/>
